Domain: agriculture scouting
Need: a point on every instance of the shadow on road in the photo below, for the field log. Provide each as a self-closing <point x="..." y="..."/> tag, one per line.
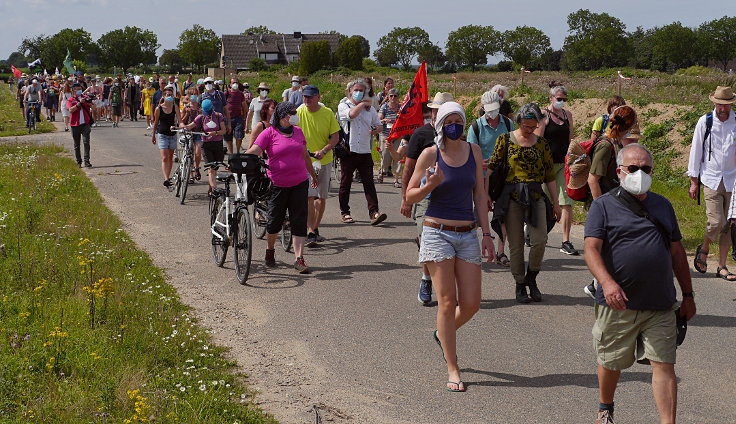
<point x="547" y="299"/>
<point x="589" y="380"/>
<point x="712" y="321"/>
<point x="343" y="272"/>
<point x="123" y="165"/>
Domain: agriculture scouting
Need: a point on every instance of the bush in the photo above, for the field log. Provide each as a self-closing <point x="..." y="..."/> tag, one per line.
<point x="315" y="55"/>
<point x="698" y="71"/>
<point x="257" y="64"/>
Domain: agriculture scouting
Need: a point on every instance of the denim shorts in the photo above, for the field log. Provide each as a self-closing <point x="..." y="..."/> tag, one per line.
<point x="237" y="127"/>
<point x="166" y="141"/>
<point x="437" y="245"/>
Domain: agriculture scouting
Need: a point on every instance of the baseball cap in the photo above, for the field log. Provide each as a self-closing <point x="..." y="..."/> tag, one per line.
<point x="310" y="90"/>
<point x="208" y="79"/>
<point x="295" y="78"/>
<point x="490" y="101"/>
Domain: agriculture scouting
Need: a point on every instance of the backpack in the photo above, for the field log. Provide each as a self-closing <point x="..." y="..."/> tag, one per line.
<point x="476" y="128"/>
<point x="581" y="194"/>
<point x="605" y="119"/>
<point x="115" y="96"/>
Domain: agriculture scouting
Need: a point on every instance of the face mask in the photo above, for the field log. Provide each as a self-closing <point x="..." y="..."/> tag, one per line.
<point x="294" y="84"/>
<point x="234" y="86"/>
<point x="193" y="98"/>
<point x="492" y="114"/>
<point x="264" y="93"/>
<point x="358" y="95"/>
<point x="637" y="183"/>
<point x="427" y="121"/>
<point x="294" y="119"/>
<point x="211" y="124"/>
<point x="453" y="131"/>
<point x="559" y="105"/>
<point x="79" y="92"/>
<point x="116" y="84"/>
<point x="169" y="99"/>
<point x="209" y="87"/>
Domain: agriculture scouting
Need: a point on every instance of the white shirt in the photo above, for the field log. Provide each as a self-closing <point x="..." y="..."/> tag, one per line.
<point x="360" y="126"/>
<point x="718" y="161"/>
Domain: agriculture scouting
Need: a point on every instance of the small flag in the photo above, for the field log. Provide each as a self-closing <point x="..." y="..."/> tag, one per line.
<point x="36" y="62"/>
<point x="523" y="69"/>
<point x="68" y="64"/>
<point x="410" y="116"/>
<point x="16" y="71"/>
<point x="56" y="72"/>
<point x="620" y="75"/>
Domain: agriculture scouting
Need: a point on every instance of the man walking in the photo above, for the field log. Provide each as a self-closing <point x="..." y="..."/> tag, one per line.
<point x="237" y="108"/>
<point x="321" y="131"/>
<point x="632" y="247"/>
<point x="81" y="116"/>
<point x="359" y="119"/>
<point x="713" y="163"/>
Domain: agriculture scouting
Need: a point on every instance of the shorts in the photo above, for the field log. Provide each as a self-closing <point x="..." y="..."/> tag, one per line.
<point x="417" y="214"/>
<point x="237" y="129"/>
<point x="212" y="151"/>
<point x="437" y="245"/>
<point x="52" y="103"/>
<point x="622" y="337"/>
<point x="117" y="110"/>
<point x="717" y="203"/>
<point x="166" y="141"/>
<point x="323" y="178"/>
<point x="104" y="103"/>
<point x="562" y="197"/>
<point x="98" y="103"/>
<point x="293" y="199"/>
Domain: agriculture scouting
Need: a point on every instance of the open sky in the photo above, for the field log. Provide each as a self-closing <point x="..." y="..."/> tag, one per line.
<point x="371" y="19"/>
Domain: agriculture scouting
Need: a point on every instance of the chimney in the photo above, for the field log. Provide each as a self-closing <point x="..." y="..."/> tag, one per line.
<point x="297" y="34"/>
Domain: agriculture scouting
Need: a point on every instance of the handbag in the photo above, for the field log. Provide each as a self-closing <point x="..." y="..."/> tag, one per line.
<point x="497" y="180"/>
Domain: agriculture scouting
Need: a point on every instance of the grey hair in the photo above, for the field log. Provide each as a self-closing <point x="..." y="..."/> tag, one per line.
<point x="498" y="87"/>
<point x="360" y="81"/>
<point x="555" y="89"/>
<point x="394" y="91"/>
<point x="529" y="111"/>
<point x="620" y="155"/>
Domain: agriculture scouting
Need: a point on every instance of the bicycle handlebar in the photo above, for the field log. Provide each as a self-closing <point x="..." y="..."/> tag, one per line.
<point x="186" y="131"/>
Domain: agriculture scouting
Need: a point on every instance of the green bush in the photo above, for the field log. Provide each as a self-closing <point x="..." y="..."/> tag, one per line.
<point x="697" y="71"/>
<point x="257" y="64"/>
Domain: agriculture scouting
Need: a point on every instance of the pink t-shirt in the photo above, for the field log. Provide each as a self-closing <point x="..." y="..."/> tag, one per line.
<point x="286" y="165"/>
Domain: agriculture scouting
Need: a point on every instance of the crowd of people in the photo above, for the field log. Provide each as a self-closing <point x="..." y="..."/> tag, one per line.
<point x="510" y="175"/>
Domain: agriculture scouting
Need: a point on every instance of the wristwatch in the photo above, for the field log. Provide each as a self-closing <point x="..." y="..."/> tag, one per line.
<point x="688" y="294"/>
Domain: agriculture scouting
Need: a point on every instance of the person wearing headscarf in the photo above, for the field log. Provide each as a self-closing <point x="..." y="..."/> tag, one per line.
<point x="289" y="168"/>
<point x="451" y="174"/>
<point x="213" y="124"/>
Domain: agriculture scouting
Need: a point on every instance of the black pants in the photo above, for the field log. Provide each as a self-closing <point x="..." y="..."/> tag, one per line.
<point x="81" y="132"/>
<point x="293" y="199"/>
<point x="363" y="162"/>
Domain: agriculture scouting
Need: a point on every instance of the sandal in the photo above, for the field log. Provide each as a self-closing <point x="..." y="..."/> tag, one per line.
<point x="699" y="263"/>
<point x="347" y="219"/>
<point x="378" y="218"/>
<point x="397" y="184"/>
<point x="460" y="386"/>
<point x="503" y="260"/>
<point x="197" y="174"/>
<point x="728" y="276"/>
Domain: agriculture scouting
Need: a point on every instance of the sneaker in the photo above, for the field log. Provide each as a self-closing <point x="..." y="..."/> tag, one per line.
<point x="604" y="417"/>
<point x="87" y="165"/>
<point x="168" y="183"/>
<point x="270" y="258"/>
<point x="320" y="239"/>
<point x="301" y="266"/>
<point x="425" y="292"/>
<point x="568" y="249"/>
<point x="311" y="240"/>
<point x="590" y="289"/>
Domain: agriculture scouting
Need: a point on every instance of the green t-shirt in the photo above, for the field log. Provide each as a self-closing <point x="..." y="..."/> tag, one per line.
<point x="526" y="164"/>
<point x="602" y="163"/>
<point x="317" y="128"/>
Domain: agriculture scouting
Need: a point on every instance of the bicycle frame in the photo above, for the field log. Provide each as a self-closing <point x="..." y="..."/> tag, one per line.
<point x="230" y="205"/>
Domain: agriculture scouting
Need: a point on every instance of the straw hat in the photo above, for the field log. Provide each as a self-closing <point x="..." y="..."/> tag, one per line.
<point x="439" y="99"/>
<point x="263" y="86"/>
<point x="723" y="96"/>
<point x="579" y="164"/>
<point x="634" y="132"/>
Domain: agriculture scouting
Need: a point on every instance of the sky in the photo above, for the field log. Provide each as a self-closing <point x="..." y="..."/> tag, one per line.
<point x="371" y="19"/>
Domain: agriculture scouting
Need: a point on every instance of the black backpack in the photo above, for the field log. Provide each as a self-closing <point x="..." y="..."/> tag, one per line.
<point x="342" y="149"/>
<point x="476" y="128"/>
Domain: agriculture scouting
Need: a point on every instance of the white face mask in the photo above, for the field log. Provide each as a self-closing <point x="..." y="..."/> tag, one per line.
<point x="427" y="121"/>
<point x="294" y="84"/>
<point x="492" y="114"/>
<point x="559" y="105"/>
<point x="209" y="87"/>
<point x="294" y="119"/>
<point x="234" y="86"/>
<point x="264" y="93"/>
<point x="637" y="183"/>
<point x="211" y="124"/>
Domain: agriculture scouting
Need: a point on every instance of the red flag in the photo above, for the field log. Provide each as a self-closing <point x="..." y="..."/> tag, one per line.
<point x="16" y="72"/>
<point x="410" y="116"/>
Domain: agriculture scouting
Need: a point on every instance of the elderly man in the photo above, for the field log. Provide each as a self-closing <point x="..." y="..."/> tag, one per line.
<point x="632" y="247"/>
<point x="359" y="120"/>
<point x="713" y="163"/>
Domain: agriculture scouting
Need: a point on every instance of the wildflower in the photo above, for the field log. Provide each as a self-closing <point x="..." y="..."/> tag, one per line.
<point x="83" y="242"/>
<point x="24" y="315"/>
<point x="202" y="387"/>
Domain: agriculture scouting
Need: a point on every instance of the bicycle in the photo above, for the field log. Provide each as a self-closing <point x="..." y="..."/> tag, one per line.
<point x="230" y="218"/>
<point x="260" y="221"/>
<point x="32" y="110"/>
<point x="183" y="172"/>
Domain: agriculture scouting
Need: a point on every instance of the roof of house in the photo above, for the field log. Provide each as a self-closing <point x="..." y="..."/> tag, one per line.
<point x="241" y="49"/>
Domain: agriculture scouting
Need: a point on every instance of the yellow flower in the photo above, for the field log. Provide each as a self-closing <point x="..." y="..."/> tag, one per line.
<point x="47" y="343"/>
<point x="24" y="315"/>
<point x="83" y="242"/>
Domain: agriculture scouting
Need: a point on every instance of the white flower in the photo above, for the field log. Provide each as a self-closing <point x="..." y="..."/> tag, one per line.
<point x="202" y="387"/>
<point x="182" y="388"/>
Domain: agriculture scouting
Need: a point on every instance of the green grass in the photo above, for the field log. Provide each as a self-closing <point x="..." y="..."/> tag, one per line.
<point x="12" y="121"/>
<point x="90" y="331"/>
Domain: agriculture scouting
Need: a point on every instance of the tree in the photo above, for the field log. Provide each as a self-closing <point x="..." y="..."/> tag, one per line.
<point x="17" y="59"/>
<point x="350" y="53"/>
<point x="596" y="40"/>
<point x="314" y="56"/>
<point x="401" y="46"/>
<point x="257" y="64"/>
<point x="171" y="60"/>
<point x="672" y="47"/>
<point x="640" y="44"/>
<point x="718" y="40"/>
<point x="199" y="46"/>
<point x="128" y="47"/>
<point x="365" y="46"/>
<point x="31" y="47"/>
<point x="470" y="45"/>
<point x="340" y="36"/>
<point x="432" y="54"/>
<point x="78" y="42"/>
<point x="526" y="46"/>
<point x="260" y="29"/>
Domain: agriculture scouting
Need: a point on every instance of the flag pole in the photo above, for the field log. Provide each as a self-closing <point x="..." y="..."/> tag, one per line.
<point x="454" y="86"/>
<point x="522" y="75"/>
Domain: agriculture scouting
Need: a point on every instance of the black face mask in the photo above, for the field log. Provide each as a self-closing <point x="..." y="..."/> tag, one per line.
<point x="287" y="131"/>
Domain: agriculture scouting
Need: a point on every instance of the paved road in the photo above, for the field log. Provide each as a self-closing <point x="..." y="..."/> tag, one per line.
<point x="352" y="339"/>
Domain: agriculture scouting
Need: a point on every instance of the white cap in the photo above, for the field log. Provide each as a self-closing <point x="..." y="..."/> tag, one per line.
<point x="208" y="79"/>
<point x="490" y="101"/>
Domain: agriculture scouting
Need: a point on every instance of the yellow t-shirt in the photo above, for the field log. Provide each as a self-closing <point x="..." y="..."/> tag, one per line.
<point x="317" y="128"/>
<point x="598" y="123"/>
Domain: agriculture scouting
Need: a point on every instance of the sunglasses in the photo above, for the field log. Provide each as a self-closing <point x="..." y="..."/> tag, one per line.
<point x="392" y="95"/>
<point x="561" y="99"/>
<point x="633" y="168"/>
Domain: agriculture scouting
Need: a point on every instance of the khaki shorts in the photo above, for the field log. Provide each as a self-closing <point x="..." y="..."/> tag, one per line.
<point x="562" y="197"/>
<point x="716" y="211"/>
<point x="622" y="337"/>
<point x="323" y="180"/>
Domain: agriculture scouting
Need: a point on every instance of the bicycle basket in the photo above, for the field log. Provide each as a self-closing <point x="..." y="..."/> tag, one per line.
<point x="248" y="164"/>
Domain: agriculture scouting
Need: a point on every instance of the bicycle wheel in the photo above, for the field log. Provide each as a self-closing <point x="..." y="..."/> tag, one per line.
<point x="186" y="171"/>
<point x="336" y="168"/>
<point x="260" y="220"/>
<point x="219" y="246"/>
<point x="176" y="187"/>
<point x="243" y="244"/>
<point x="286" y="239"/>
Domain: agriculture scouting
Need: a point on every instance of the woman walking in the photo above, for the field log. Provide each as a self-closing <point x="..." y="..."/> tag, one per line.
<point x="452" y="172"/>
<point x="265" y="114"/>
<point x="387" y="115"/>
<point x="523" y="200"/>
<point x="66" y="94"/>
<point x="165" y="117"/>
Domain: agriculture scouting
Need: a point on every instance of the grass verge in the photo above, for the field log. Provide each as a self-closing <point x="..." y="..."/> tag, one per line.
<point x="12" y="120"/>
<point x="90" y="332"/>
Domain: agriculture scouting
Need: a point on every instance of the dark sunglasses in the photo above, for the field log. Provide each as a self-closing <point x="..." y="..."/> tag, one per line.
<point x="561" y="99"/>
<point x="392" y="95"/>
<point x="633" y="168"/>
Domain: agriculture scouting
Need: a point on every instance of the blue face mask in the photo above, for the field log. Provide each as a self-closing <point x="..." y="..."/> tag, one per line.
<point x="453" y="131"/>
<point x="79" y="92"/>
<point x="358" y="95"/>
<point x="169" y="99"/>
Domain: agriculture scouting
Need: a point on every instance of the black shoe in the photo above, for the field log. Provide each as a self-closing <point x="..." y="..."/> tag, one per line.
<point x="270" y="258"/>
<point x="168" y="183"/>
<point x="531" y="282"/>
<point x="568" y="249"/>
<point x="389" y="174"/>
<point x="87" y="165"/>
<point x="320" y="239"/>
<point x="521" y="295"/>
<point x="311" y="240"/>
<point x="80" y="164"/>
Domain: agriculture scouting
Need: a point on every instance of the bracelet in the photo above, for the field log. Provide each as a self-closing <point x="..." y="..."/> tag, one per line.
<point x="489" y="235"/>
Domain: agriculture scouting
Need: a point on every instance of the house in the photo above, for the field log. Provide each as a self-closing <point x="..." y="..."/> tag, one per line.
<point x="238" y="50"/>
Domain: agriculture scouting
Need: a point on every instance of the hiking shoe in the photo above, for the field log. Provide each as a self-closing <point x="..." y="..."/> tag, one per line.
<point x="270" y="258"/>
<point x="320" y="239"/>
<point x="87" y="165"/>
<point x="521" y="294"/>
<point x="301" y="266"/>
<point x="590" y="289"/>
<point x="604" y="417"/>
<point x="311" y="240"/>
<point x="425" y="292"/>
<point x="568" y="249"/>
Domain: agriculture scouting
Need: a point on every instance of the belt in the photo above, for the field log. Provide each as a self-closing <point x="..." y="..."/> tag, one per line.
<point x="441" y="227"/>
